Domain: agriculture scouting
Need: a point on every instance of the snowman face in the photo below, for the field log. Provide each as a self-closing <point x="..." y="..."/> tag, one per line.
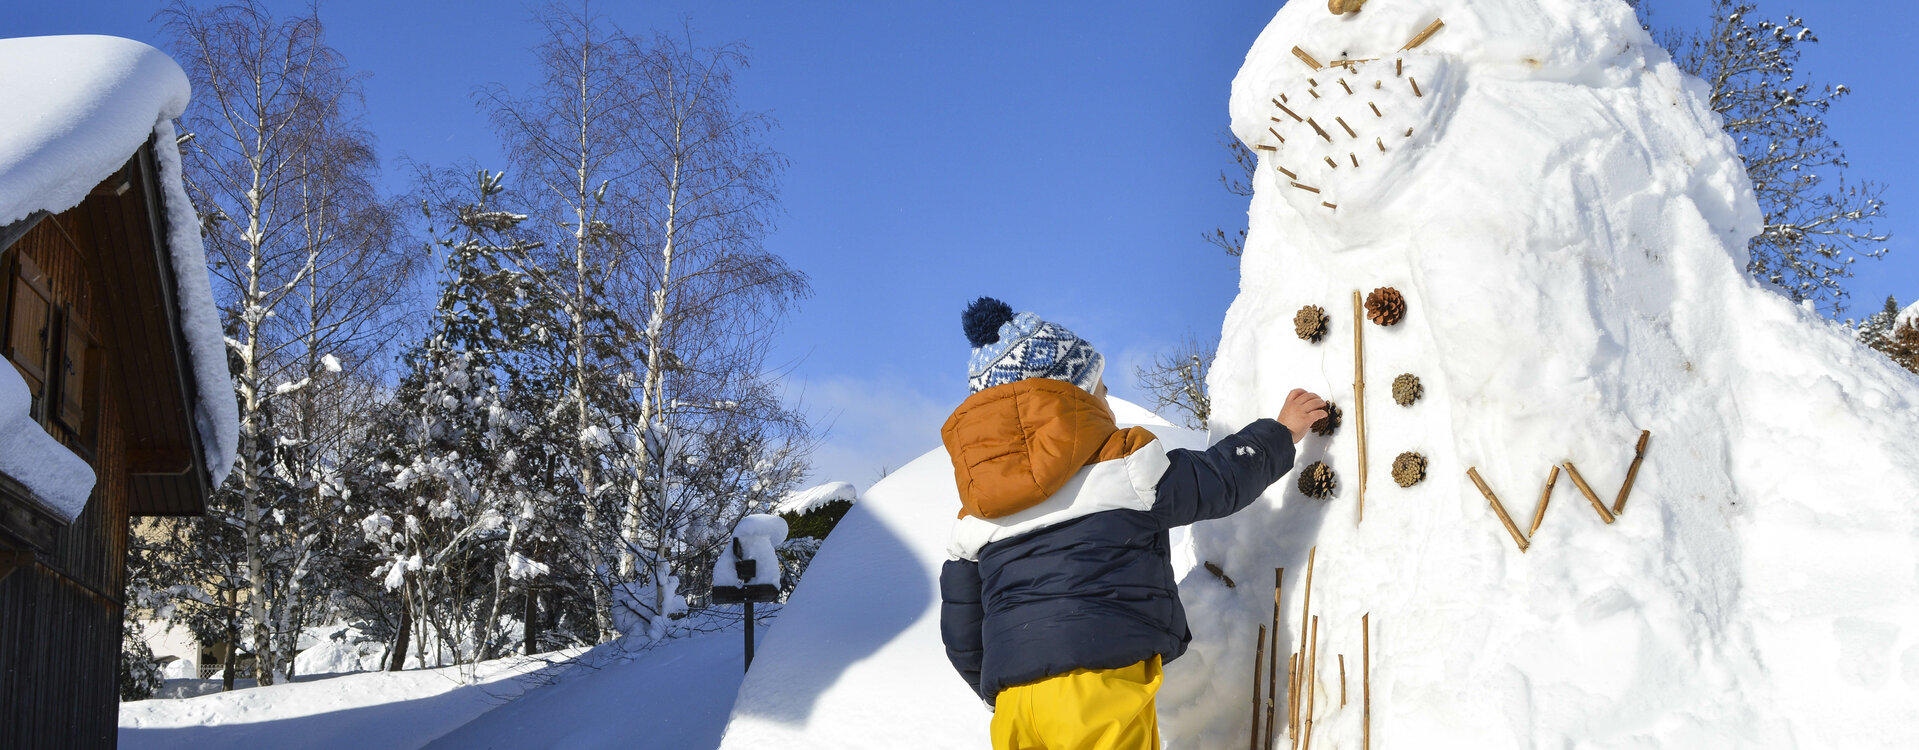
<point x="1346" y="124"/>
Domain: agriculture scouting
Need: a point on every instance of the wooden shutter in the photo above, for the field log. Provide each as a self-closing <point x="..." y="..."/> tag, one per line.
<point x="29" y="331"/>
<point x="76" y="362"/>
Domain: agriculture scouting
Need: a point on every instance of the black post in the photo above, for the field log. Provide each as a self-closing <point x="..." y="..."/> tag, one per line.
<point x="749" y="635"/>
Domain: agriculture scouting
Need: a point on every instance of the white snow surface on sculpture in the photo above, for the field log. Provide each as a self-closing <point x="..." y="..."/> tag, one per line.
<point x="810" y="499"/>
<point x="73" y="109"/>
<point x="1568" y="226"/>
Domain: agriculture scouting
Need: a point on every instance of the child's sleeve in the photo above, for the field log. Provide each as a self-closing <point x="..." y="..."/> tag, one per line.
<point x="1218" y="481"/>
<point x="960" y="618"/>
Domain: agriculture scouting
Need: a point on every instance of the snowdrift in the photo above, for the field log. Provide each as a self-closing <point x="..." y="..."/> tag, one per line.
<point x="854" y="659"/>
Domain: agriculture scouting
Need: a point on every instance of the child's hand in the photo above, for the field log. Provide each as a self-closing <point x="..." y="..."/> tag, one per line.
<point x="1302" y="409"/>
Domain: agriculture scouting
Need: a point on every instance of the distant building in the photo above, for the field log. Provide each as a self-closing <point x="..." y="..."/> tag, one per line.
<point x="115" y="399"/>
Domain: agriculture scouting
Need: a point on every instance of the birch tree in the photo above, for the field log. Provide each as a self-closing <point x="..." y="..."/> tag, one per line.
<point x="305" y="261"/>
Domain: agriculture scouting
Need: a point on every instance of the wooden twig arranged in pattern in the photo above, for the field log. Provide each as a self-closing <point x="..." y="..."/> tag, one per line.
<point x="1359" y="394"/>
<point x="1632" y="474"/>
<point x="1312" y="685"/>
<point x="1272" y="660"/>
<point x="1366" y="680"/>
<point x="1518" y="538"/>
<point x="1349" y="128"/>
<point x="1317" y="129"/>
<point x="1283" y="108"/>
<point x="1587" y="490"/>
<point x="1306" y="58"/>
<point x="1421" y="37"/>
<point x="1259" y="660"/>
<point x="1305" y="663"/>
<point x="1342" y="680"/>
<point x="1544" y="498"/>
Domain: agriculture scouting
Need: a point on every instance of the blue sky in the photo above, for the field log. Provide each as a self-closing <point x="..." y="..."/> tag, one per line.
<point x="1061" y="156"/>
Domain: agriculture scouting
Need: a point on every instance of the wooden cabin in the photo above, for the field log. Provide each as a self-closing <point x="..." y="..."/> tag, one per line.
<point x="94" y="324"/>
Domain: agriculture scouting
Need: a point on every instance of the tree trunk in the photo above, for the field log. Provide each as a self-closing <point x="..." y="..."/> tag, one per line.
<point x="400" y="643"/>
<point x="531" y="633"/>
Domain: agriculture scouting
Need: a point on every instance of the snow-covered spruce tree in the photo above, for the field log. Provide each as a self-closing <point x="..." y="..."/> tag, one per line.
<point x="571" y="140"/>
<point x="458" y="497"/>
<point x="1903" y="346"/>
<point x="1876" y="329"/>
<point x="1816" y="223"/>
<point x="306" y="263"/>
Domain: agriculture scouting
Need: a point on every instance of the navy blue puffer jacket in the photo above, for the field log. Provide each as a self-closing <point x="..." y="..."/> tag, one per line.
<point x="1085" y="579"/>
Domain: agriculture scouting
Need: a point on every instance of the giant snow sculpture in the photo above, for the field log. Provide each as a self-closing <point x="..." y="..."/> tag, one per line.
<point x="1568" y="223"/>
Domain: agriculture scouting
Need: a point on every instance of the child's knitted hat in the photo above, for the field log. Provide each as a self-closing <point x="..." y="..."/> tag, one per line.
<point x="1009" y="348"/>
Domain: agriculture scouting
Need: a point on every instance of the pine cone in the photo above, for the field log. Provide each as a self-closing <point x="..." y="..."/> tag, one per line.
<point x="1407" y="389"/>
<point x="1385" y="306"/>
<point x="1317" y="481"/>
<point x="1310" y="323"/>
<point x="1409" y="469"/>
<point x="1329" y="424"/>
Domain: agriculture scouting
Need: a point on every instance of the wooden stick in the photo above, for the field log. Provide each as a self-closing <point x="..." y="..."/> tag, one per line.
<point x="1342" y="84"/>
<point x="1354" y="157"/>
<point x="1292" y="694"/>
<point x="1317" y="129"/>
<point x="1421" y="37"/>
<point x="1366" y="681"/>
<point x="1295" y="115"/>
<point x="1289" y="173"/>
<point x="1349" y="128"/>
<point x="1497" y="508"/>
<point x="1312" y="686"/>
<point x="1272" y="664"/>
<point x="1306" y="58"/>
<point x="1313" y="81"/>
<point x="1305" y="609"/>
<point x="1307" y="188"/>
<point x="1359" y="394"/>
<point x="1259" y="660"/>
<point x="1409" y="132"/>
<point x="1638" y="454"/>
<point x="1399" y="67"/>
<point x="1544" y="498"/>
<point x="1415" y="82"/>
<point x="1342" y="680"/>
<point x="1376" y="112"/>
<point x="1269" y="129"/>
<point x="1264" y="147"/>
<point x="1587" y="490"/>
<point x="1330" y="162"/>
<point x="1381" y="144"/>
<point x="1220" y="574"/>
<point x="1314" y="92"/>
<point x="1333" y="206"/>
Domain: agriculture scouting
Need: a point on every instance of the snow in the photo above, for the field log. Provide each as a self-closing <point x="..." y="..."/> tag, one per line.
<point x="31" y="456"/>
<point x="1568" y="225"/>
<point x="758" y="534"/>
<point x="76" y="108"/>
<point x="854" y="660"/>
<point x="811" y="499"/>
<point x="673" y="694"/>
<point x="1908" y="316"/>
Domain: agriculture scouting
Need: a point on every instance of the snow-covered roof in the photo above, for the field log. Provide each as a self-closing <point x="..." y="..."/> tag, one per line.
<point x="809" y="500"/>
<point x="72" y="110"/>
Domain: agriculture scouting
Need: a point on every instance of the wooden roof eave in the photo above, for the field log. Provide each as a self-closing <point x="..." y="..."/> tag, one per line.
<point x="197" y="474"/>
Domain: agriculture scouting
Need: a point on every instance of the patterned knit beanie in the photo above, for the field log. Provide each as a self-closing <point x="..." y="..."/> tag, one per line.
<point x="1009" y="348"/>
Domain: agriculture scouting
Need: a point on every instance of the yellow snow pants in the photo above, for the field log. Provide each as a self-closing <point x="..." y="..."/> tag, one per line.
<point x="1085" y="709"/>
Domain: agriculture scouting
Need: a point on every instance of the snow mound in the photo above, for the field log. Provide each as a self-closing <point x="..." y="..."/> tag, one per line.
<point x="1567" y="224"/>
<point x="855" y="660"/>
<point x="1908" y="316"/>
<point x="807" y="500"/>
<point x="31" y="456"/>
<point x="72" y="110"/>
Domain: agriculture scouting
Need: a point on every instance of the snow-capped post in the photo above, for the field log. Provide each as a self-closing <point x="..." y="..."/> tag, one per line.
<point x="748" y="570"/>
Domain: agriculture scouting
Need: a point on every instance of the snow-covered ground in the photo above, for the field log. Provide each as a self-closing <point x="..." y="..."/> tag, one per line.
<point x="673" y="695"/>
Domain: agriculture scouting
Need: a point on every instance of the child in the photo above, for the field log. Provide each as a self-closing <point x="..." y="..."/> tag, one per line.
<point x="1059" y="605"/>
